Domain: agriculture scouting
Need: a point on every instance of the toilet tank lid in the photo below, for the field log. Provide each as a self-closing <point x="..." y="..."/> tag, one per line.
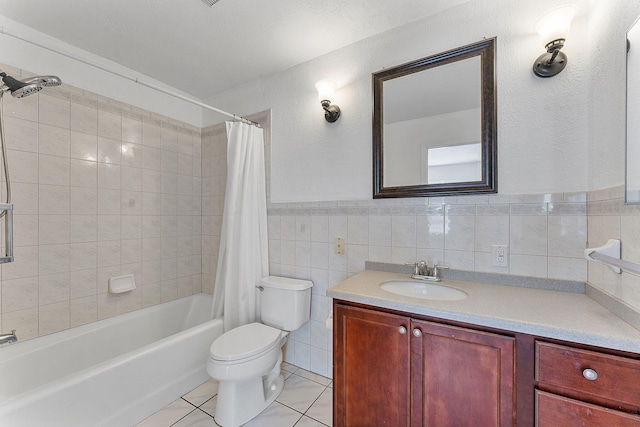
<point x="286" y="283"/>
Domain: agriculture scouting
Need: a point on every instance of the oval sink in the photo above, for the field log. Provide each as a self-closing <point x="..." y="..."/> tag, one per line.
<point x="423" y="290"/>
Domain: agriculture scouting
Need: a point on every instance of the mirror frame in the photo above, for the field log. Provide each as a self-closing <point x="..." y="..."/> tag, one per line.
<point x="488" y="182"/>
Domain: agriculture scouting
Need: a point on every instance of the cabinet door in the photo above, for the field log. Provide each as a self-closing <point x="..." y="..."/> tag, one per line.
<point x="371" y="370"/>
<point x="461" y="377"/>
<point x="554" y="411"/>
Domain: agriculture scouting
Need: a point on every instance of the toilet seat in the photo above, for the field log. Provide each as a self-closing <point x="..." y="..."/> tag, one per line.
<point x="245" y="342"/>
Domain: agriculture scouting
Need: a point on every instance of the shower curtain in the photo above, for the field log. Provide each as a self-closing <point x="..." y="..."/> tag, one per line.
<point x="243" y="258"/>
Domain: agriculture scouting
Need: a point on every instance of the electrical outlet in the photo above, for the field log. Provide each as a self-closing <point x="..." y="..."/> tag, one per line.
<point x="499" y="255"/>
<point x="338" y="245"/>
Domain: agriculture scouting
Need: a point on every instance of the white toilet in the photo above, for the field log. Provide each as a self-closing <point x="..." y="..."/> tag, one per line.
<point x="246" y="360"/>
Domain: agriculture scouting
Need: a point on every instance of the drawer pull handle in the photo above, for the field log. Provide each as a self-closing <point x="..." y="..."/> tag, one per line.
<point x="590" y="374"/>
<point x="417" y="333"/>
<point x="402" y="330"/>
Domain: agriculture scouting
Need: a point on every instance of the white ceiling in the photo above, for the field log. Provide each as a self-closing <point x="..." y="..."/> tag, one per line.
<point x="204" y="50"/>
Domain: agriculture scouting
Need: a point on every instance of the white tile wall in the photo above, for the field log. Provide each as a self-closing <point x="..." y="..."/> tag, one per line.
<point x="609" y="218"/>
<point x="99" y="189"/>
<point x="455" y="231"/>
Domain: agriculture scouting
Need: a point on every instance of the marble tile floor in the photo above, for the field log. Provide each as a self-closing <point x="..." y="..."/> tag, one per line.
<point x="306" y="401"/>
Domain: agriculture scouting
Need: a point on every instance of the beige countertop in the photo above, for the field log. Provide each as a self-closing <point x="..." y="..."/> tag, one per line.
<point x="551" y="314"/>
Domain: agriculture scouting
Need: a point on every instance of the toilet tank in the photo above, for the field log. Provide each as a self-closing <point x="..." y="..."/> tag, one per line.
<point x="285" y="303"/>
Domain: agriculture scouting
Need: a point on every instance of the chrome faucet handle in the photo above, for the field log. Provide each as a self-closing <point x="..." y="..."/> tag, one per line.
<point x="415" y="265"/>
<point x="437" y="268"/>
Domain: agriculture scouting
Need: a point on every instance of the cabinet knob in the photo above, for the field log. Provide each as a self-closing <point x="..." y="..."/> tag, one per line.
<point x="402" y="330"/>
<point x="417" y="333"/>
<point x="590" y="374"/>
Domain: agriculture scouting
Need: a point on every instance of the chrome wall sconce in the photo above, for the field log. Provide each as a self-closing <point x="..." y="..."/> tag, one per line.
<point x="325" y="93"/>
<point x="553" y="29"/>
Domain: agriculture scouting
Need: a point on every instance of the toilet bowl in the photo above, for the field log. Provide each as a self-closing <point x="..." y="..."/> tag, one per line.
<point x="246" y="360"/>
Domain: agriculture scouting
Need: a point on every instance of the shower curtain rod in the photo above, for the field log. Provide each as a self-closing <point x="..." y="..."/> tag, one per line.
<point x="134" y="79"/>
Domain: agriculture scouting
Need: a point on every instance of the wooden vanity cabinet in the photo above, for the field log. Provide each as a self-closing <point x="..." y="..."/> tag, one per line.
<point x="396" y="370"/>
<point x="372" y="365"/>
<point x="580" y="387"/>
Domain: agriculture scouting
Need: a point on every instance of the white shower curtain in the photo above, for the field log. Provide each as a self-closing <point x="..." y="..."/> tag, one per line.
<point x="243" y="259"/>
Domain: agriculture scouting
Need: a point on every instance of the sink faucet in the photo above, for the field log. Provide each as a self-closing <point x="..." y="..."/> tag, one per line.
<point x="8" y="337"/>
<point x="422" y="271"/>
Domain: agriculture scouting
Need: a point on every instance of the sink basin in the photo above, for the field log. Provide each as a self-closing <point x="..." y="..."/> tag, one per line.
<point x="423" y="290"/>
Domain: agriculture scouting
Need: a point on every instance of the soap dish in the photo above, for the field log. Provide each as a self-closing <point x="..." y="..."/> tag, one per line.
<point x="120" y="284"/>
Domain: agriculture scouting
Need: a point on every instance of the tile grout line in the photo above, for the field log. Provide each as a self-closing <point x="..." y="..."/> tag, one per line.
<point x="302" y="414"/>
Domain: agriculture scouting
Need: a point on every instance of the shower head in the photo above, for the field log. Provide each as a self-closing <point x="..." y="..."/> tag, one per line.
<point x="29" y="86"/>
<point x="44" y="81"/>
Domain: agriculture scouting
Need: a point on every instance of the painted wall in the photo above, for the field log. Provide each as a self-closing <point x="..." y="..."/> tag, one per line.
<point x="608" y="216"/>
<point x="37" y="60"/>
<point x="608" y="24"/>
<point x="542" y="123"/>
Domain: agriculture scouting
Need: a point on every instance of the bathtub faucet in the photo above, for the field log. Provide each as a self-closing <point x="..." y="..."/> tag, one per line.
<point x="8" y="337"/>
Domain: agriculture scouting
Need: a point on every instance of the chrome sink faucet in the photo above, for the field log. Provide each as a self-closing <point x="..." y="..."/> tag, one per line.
<point x="422" y="271"/>
<point x="8" y="337"/>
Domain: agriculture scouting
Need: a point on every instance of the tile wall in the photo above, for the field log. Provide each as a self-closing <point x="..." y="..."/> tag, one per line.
<point x="100" y="189"/>
<point x="546" y="235"/>
<point x="103" y="189"/>
<point x="214" y="179"/>
<point x="610" y="218"/>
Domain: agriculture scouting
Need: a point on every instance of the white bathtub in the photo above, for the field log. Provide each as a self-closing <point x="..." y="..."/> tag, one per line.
<point x="114" y="372"/>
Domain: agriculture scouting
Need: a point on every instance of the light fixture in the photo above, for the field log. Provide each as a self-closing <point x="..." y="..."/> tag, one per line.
<point x="553" y="29"/>
<point x="325" y="93"/>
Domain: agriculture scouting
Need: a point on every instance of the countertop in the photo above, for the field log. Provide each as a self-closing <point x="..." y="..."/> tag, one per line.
<point x="551" y="314"/>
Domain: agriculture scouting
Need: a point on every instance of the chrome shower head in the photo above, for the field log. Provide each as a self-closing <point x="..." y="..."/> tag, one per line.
<point x="44" y="81"/>
<point x="29" y="86"/>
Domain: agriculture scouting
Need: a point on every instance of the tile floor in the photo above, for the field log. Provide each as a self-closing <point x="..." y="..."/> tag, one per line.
<point x="306" y="401"/>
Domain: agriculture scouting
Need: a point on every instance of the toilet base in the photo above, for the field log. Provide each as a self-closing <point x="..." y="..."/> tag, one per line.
<point x="239" y="402"/>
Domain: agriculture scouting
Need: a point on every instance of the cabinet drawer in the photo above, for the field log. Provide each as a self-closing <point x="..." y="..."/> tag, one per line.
<point x="613" y="378"/>
<point x="554" y="411"/>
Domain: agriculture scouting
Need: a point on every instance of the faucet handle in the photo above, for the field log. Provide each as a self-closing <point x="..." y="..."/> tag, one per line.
<point x="437" y="268"/>
<point x="415" y="265"/>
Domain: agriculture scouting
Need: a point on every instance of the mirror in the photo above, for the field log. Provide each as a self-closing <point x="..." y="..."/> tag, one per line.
<point x="632" y="175"/>
<point x="434" y="125"/>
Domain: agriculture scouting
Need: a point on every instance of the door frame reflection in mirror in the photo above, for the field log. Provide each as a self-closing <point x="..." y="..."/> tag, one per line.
<point x="485" y="50"/>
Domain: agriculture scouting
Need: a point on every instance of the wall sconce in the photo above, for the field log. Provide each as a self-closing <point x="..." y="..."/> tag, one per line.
<point x="325" y="93"/>
<point x="553" y="29"/>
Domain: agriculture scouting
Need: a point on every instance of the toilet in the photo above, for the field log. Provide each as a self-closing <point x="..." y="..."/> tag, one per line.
<point x="246" y="360"/>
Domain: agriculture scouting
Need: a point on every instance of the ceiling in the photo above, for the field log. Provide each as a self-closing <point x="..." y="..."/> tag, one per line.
<point x="204" y="50"/>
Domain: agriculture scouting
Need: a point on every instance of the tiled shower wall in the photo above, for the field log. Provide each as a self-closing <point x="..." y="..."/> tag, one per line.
<point x="100" y="189"/>
<point x="214" y="178"/>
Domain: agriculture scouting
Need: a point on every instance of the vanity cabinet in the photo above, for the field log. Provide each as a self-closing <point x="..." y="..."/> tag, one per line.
<point x="371" y="368"/>
<point x="397" y="370"/>
<point x="579" y="387"/>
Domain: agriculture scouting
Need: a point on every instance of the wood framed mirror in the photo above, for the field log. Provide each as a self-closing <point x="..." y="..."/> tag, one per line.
<point x="434" y="125"/>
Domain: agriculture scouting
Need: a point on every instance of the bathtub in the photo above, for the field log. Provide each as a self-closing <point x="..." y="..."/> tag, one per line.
<point x="114" y="372"/>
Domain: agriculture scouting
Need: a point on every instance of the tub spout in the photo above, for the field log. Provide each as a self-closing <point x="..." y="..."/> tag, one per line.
<point x="6" y="338"/>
